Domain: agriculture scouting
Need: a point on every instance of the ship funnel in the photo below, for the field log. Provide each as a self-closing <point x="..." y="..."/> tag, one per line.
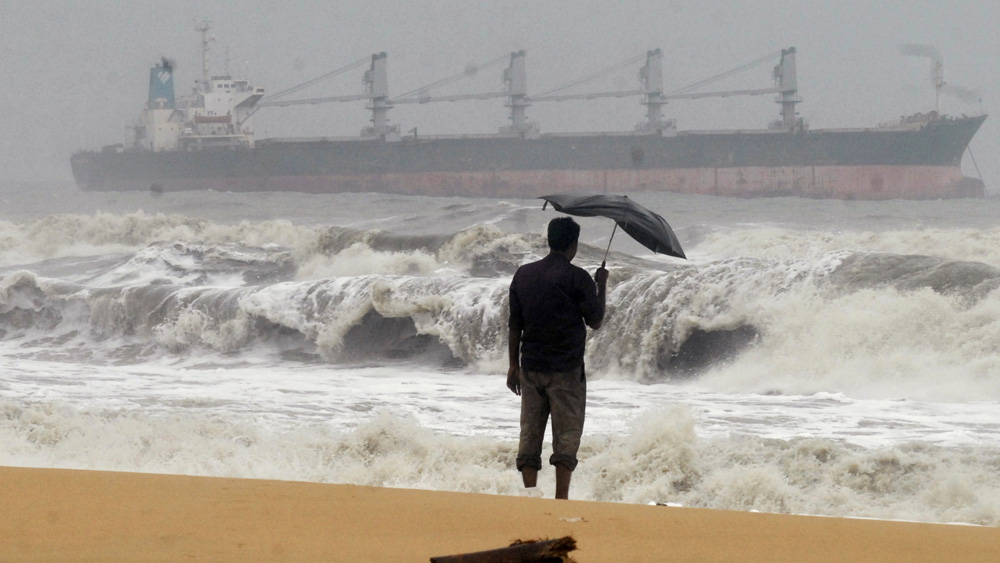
<point x="161" y="86"/>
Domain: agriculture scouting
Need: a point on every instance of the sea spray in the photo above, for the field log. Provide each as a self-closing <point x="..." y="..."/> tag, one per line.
<point x="657" y="460"/>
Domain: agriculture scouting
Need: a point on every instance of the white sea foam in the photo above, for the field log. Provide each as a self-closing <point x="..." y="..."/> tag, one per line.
<point x="60" y="236"/>
<point x="659" y="458"/>
<point x="872" y="343"/>
<point x="778" y="243"/>
<point x="359" y="259"/>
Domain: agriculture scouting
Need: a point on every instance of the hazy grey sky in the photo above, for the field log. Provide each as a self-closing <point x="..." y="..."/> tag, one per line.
<point x="75" y="72"/>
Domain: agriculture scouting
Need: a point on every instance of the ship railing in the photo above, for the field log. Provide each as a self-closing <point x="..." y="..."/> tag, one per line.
<point x="453" y="137"/>
<point x="197" y="142"/>
<point x="731" y="132"/>
<point x="914" y="121"/>
<point x="294" y="140"/>
<point x="589" y="134"/>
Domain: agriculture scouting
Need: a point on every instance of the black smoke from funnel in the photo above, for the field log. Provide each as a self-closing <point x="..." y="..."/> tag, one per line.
<point x="929" y="51"/>
<point x="920" y="50"/>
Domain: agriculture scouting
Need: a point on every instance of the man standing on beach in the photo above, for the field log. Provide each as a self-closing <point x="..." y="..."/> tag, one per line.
<point x="552" y="302"/>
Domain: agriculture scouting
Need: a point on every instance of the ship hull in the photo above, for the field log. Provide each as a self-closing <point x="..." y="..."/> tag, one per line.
<point x="846" y="164"/>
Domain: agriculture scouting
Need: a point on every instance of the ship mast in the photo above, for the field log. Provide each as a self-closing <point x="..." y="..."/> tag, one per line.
<point x="205" y="40"/>
<point x="938" y="83"/>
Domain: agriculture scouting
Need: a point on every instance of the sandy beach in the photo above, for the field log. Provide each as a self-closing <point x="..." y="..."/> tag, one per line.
<point x="63" y="515"/>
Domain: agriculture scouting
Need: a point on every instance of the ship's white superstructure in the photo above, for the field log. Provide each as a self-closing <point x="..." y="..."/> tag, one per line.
<point x="215" y="115"/>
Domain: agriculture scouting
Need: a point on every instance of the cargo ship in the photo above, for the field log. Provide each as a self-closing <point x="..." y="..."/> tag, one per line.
<point x="205" y="141"/>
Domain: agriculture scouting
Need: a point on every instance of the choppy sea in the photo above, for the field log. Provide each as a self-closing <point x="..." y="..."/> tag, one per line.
<point x="811" y="357"/>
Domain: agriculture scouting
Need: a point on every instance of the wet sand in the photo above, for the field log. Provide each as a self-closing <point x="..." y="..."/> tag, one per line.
<point x="61" y="515"/>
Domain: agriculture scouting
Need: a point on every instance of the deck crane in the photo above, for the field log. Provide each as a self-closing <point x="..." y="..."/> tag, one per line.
<point x="377" y="92"/>
<point x="651" y="80"/>
<point x="786" y="86"/>
<point x="273" y="101"/>
<point x="516" y="92"/>
<point x="422" y="95"/>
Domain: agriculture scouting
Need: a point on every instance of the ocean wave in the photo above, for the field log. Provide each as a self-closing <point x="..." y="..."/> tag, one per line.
<point x="781" y="243"/>
<point x="59" y="236"/>
<point x="180" y="248"/>
<point x="864" y="321"/>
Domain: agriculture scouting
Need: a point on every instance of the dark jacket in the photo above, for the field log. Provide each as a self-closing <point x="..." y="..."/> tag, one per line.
<point x="552" y="302"/>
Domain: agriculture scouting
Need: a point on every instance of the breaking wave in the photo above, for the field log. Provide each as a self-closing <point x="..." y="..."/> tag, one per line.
<point x="824" y="320"/>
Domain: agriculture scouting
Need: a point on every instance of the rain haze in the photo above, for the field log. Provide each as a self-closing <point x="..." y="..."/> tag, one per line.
<point x="812" y="356"/>
<point x="76" y="73"/>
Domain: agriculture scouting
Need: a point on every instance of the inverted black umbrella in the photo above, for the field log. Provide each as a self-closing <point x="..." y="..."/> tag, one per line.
<point x="646" y="227"/>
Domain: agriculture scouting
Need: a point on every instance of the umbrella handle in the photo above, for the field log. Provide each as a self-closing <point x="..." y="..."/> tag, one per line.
<point x="605" y="261"/>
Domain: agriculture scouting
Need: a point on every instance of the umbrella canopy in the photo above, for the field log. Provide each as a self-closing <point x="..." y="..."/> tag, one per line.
<point x="646" y="227"/>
